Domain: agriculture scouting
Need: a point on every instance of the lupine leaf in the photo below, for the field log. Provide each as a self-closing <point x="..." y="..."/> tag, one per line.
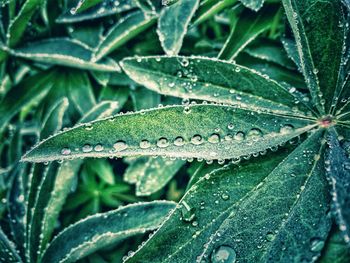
<point x="20" y="22"/>
<point x="253" y="4"/>
<point x="8" y="252"/>
<point x="28" y="90"/>
<point x="213" y="80"/>
<point x="319" y="39"/>
<point x="262" y="210"/>
<point x="66" y="52"/>
<point x="106" y="8"/>
<point x="173" y="23"/>
<point x="197" y="131"/>
<point x="336" y="251"/>
<point x="123" y="31"/>
<point x="338" y="172"/>
<point x="249" y="26"/>
<point x="97" y="231"/>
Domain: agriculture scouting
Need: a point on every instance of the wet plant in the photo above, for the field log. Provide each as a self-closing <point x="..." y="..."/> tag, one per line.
<point x="255" y="113"/>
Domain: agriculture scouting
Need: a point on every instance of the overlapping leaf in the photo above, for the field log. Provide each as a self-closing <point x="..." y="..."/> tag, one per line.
<point x="101" y="230"/>
<point x="262" y="211"/>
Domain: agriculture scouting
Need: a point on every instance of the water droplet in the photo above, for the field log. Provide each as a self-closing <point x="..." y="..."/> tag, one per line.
<point x="120" y="145"/>
<point x="87" y="148"/>
<point x="214" y="138"/>
<point x="223" y="254"/>
<point x="98" y="148"/>
<point x="162" y="142"/>
<point x="239" y="136"/>
<point x="316" y="244"/>
<point x="225" y="196"/>
<point x="185" y="62"/>
<point x="187" y="212"/>
<point x="254" y="134"/>
<point x="66" y="151"/>
<point x="286" y="129"/>
<point x="179" y="141"/>
<point x="144" y="144"/>
<point x="270" y="236"/>
<point x="197" y="139"/>
<point x="88" y="127"/>
<point x="230" y="126"/>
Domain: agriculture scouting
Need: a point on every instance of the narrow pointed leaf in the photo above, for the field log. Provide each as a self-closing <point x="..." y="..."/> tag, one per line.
<point x="106" y="8"/>
<point x="20" y="22"/>
<point x="101" y="230"/>
<point x="213" y="80"/>
<point x="253" y="4"/>
<point x="292" y="51"/>
<point x="319" y="39"/>
<point x="66" y="52"/>
<point x="8" y="252"/>
<point x="28" y="90"/>
<point x="123" y="31"/>
<point x="338" y="172"/>
<point x="255" y="212"/>
<point x="85" y="4"/>
<point x="199" y="131"/>
<point x="173" y="23"/>
<point x="249" y="26"/>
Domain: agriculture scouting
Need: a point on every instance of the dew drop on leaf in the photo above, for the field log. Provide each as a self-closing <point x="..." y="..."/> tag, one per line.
<point x="254" y="134"/>
<point x="270" y="236"/>
<point x="223" y="254"/>
<point x="187" y="212"/>
<point x="87" y="148"/>
<point x="286" y="129"/>
<point x="66" y="151"/>
<point x="120" y="145"/>
<point x="179" y="141"/>
<point x="214" y="138"/>
<point x="239" y="136"/>
<point x="316" y="245"/>
<point x="197" y="139"/>
<point x="163" y="142"/>
<point x="144" y="144"/>
<point x="98" y="148"/>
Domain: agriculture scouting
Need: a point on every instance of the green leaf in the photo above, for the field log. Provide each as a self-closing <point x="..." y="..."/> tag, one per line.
<point x="101" y="230"/>
<point x="32" y="88"/>
<point x="138" y="95"/>
<point x="209" y="8"/>
<point x="106" y="8"/>
<point x="335" y="251"/>
<point x="256" y="212"/>
<point x="249" y="26"/>
<point x="213" y="80"/>
<point x="271" y="51"/>
<point x="103" y="170"/>
<point x="84" y="4"/>
<point x="151" y="174"/>
<point x="123" y="31"/>
<point x="173" y="23"/>
<point x="65" y="52"/>
<point x="20" y="22"/>
<point x="319" y="39"/>
<point x="338" y="172"/>
<point x="253" y="4"/>
<point x="8" y="252"/>
<point x="292" y="51"/>
<point x="196" y="131"/>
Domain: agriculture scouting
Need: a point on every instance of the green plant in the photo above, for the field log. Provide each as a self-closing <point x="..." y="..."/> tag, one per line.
<point x="267" y="153"/>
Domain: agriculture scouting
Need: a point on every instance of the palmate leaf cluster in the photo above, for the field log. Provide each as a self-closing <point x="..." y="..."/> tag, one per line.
<point x="251" y="101"/>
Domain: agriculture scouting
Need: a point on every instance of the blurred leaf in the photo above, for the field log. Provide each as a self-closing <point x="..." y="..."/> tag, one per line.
<point x="101" y="230"/>
<point x="30" y="89"/>
<point x="106" y="8"/>
<point x="248" y="27"/>
<point x="66" y="52"/>
<point x="213" y="80"/>
<point x="227" y="218"/>
<point x="173" y="23"/>
<point x="197" y="131"/>
<point x="123" y="31"/>
<point x="335" y="251"/>
<point x="8" y="252"/>
<point x="20" y="22"/>
<point x="103" y="170"/>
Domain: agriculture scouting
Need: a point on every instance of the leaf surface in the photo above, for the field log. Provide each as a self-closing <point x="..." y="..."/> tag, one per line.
<point x="248" y="27"/>
<point x="338" y="172"/>
<point x="65" y="52"/>
<point x="8" y="252"/>
<point x="196" y="131"/>
<point x="213" y="80"/>
<point x="319" y="40"/>
<point x="255" y="212"/>
<point x="101" y="230"/>
<point x="173" y="23"/>
<point x="123" y="31"/>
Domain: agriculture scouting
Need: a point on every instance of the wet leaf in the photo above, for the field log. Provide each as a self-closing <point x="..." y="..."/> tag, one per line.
<point x="101" y="230"/>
